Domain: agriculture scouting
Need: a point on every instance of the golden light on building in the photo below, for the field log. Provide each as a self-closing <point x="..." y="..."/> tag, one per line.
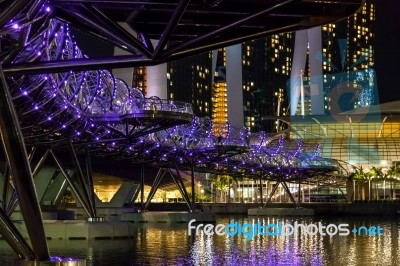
<point x="139" y="79"/>
<point x="220" y="98"/>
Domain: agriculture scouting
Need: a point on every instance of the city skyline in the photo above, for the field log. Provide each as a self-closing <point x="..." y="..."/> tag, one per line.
<point x="322" y="57"/>
<point x="385" y="55"/>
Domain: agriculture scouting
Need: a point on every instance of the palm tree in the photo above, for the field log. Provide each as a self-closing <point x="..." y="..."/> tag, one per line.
<point x="393" y="172"/>
<point x="357" y="174"/>
<point x="222" y="183"/>
<point x="376" y="172"/>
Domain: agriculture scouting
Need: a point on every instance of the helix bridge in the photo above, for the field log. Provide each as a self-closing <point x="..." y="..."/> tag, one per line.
<point x="94" y="110"/>
<point x="54" y="99"/>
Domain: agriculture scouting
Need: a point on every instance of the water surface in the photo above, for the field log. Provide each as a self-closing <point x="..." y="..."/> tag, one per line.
<point x="170" y="244"/>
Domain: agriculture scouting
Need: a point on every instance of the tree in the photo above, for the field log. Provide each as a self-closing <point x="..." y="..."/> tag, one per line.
<point x="376" y="173"/>
<point x="357" y="174"/>
<point x="221" y="183"/>
<point x="393" y="173"/>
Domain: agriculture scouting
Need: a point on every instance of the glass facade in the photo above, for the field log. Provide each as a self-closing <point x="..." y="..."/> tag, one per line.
<point x="368" y="143"/>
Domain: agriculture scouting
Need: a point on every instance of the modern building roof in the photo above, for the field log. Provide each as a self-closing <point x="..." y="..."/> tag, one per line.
<point x="373" y="113"/>
<point x="384" y="108"/>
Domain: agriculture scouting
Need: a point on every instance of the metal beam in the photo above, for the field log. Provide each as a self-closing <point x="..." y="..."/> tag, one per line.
<point x="142" y="187"/>
<point x="219" y="42"/>
<point x="40" y="163"/>
<point x="192" y="183"/>
<point x="31" y="154"/>
<point x="272" y="193"/>
<point x="186" y="195"/>
<point x="15" y="151"/>
<point x="154" y="187"/>
<point x="261" y="191"/>
<point x="18" y="46"/>
<point x="12" y="10"/>
<point x="181" y="188"/>
<point x="229" y="27"/>
<point x="146" y="40"/>
<point x="13" y="203"/>
<point x="5" y="186"/>
<point x="116" y="28"/>
<point x="81" y="179"/>
<point x="25" y="31"/>
<point x="288" y="192"/>
<point x="34" y="9"/>
<point x="299" y="194"/>
<point x="89" y="173"/>
<point x="127" y="61"/>
<point x="120" y="2"/>
<point x="74" y="189"/>
<point x="55" y="191"/>
<point x="14" y="238"/>
<point x="44" y="180"/>
<point x="169" y="29"/>
<point x="80" y="64"/>
<point x="94" y="28"/>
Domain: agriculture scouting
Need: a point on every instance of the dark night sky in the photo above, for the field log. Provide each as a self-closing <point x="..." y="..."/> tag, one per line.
<point x="387" y="55"/>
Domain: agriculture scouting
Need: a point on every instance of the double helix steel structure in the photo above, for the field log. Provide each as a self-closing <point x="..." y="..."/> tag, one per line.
<point x="67" y="110"/>
<point x="55" y="98"/>
<point x="85" y="107"/>
<point x="234" y="152"/>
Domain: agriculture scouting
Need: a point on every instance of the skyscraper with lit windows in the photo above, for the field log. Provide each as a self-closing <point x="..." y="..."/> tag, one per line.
<point x="139" y="79"/>
<point x="189" y="80"/>
<point x="345" y="48"/>
<point x="347" y="53"/>
<point x="361" y="53"/>
<point x="266" y="68"/>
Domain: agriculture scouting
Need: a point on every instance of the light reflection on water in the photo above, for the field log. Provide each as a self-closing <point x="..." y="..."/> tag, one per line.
<point x="170" y="244"/>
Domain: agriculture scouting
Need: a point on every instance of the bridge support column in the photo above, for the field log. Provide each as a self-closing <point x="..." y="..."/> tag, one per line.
<point x="17" y="158"/>
<point x="179" y="183"/>
<point x="193" y="192"/>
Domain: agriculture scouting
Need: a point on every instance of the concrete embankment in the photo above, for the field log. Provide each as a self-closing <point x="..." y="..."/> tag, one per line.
<point x="319" y="208"/>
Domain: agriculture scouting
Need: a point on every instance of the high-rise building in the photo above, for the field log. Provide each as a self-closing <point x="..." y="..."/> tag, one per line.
<point x="351" y="127"/>
<point x="361" y="53"/>
<point x="219" y="96"/>
<point x="139" y="79"/>
<point x="347" y="58"/>
<point x="265" y="71"/>
<point x="189" y="80"/>
<point x="266" y="68"/>
<point x="344" y="52"/>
